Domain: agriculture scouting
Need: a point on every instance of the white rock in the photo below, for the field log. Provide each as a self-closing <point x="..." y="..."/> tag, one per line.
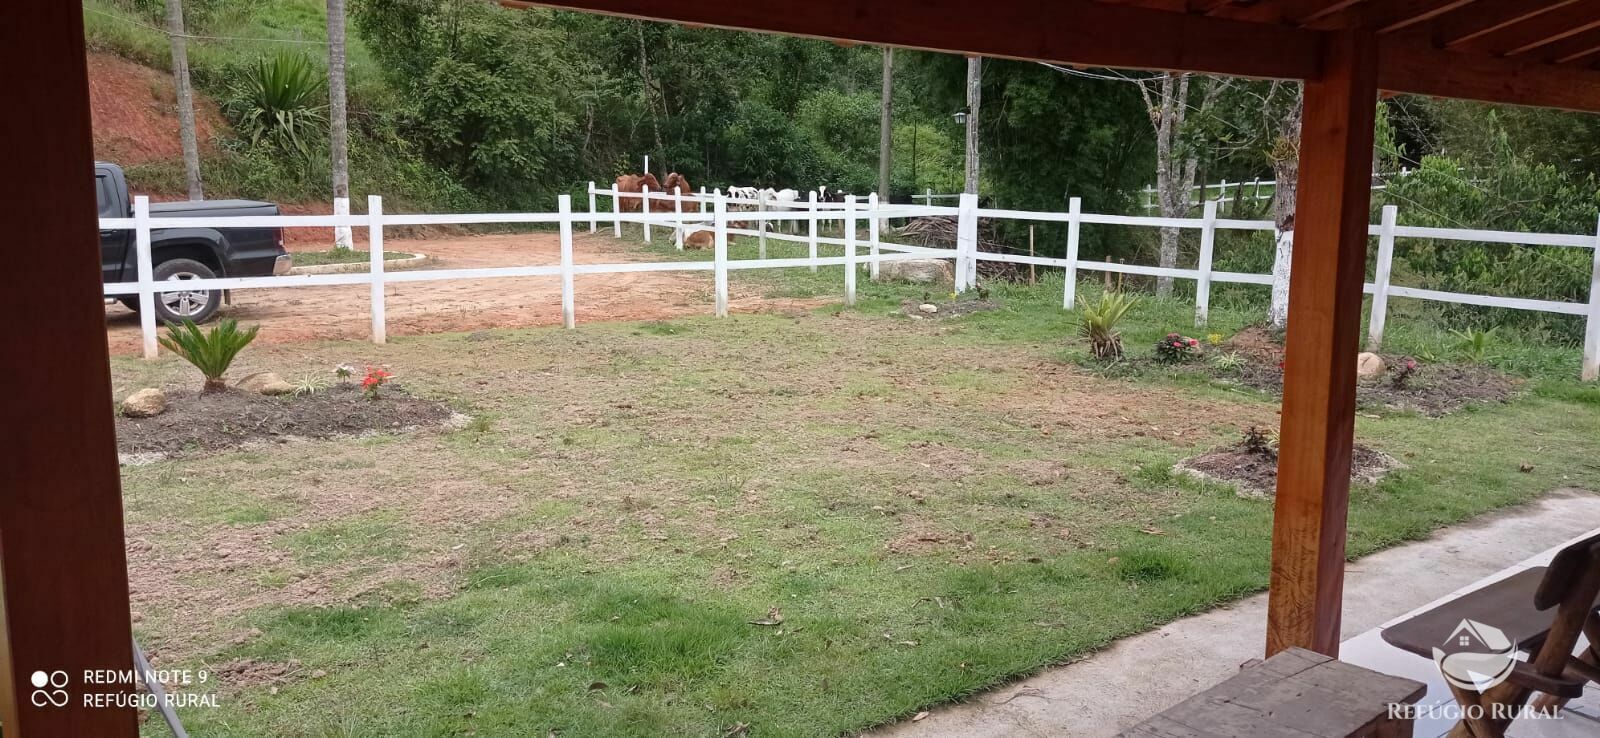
<point x="265" y="383"/>
<point x="928" y="307"/>
<point x="916" y="271"/>
<point x="1369" y="365"/>
<point x="146" y="403"/>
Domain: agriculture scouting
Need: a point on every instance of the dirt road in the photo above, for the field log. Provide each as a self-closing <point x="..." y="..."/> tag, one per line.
<point x="317" y="313"/>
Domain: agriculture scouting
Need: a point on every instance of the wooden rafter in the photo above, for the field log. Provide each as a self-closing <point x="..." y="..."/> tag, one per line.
<point x="1485" y="17"/>
<point x="1538" y="31"/>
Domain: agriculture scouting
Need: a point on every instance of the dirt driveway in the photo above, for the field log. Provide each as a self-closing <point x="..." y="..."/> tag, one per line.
<point x="316" y="313"/>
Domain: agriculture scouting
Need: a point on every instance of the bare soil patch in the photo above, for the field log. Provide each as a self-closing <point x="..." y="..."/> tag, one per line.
<point x="1254" y="472"/>
<point x="134" y="109"/>
<point x="948" y="309"/>
<point x="220" y="420"/>
<point x="299" y="314"/>
<point x="1435" y="389"/>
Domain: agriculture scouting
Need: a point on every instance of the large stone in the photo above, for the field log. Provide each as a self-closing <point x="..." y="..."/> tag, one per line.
<point x="1369" y="365"/>
<point x="265" y="383"/>
<point x="916" y="271"/>
<point x="146" y="403"/>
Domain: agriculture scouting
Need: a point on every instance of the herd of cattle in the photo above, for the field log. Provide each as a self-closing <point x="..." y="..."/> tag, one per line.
<point x="743" y="199"/>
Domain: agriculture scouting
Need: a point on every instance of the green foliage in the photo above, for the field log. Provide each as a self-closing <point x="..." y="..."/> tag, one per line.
<point x="1474" y="343"/>
<point x="1508" y="192"/>
<point x="281" y="101"/>
<point x="1098" y="323"/>
<point x="211" y="351"/>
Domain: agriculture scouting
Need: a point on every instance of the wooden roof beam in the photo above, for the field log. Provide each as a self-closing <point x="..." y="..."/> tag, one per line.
<point x="1485" y="17"/>
<point x="1538" y="31"/>
<point x="1412" y="68"/>
<point x="1578" y="48"/>
<point x="1064" y="31"/>
<point x="1390" y="16"/>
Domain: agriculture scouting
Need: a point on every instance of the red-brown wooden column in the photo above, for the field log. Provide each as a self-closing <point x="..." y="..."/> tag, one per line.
<point x="1329" y="266"/>
<point x="63" y="577"/>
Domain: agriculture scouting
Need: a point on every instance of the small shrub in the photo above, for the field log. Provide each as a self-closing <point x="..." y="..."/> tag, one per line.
<point x="279" y="100"/>
<point x="372" y="384"/>
<point x="1228" y="362"/>
<point x="1260" y="442"/>
<point x="343" y="373"/>
<point x="1177" y="348"/>
<point x="1402" y="375"/>
<point x="1099" y="323"/>
<point x="1474" y="343"/>
<point x="212" y="351"/>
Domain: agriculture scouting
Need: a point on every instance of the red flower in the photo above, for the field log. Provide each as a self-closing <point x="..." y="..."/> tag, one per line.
<point x="1194" y="342"/>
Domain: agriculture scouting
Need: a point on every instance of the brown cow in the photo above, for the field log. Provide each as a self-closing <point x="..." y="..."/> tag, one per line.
<point x="635" y="183"/>
<point x="681" y="182"/>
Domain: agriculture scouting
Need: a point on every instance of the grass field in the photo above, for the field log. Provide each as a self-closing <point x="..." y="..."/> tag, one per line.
<point x="931" y="507"/>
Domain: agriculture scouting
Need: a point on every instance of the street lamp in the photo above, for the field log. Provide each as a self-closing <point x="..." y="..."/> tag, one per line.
<point x="961" y="117"/>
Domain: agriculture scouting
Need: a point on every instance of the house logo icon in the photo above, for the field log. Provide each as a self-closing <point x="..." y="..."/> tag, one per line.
<point x="1476" y="656"/>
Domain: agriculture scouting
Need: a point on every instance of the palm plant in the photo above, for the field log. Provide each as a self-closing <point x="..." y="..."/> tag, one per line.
<point x="1474" y="343"/>
<point x="279" y="100"/>
<point x="1099" y="323"/>
<point x="209" y="351"/>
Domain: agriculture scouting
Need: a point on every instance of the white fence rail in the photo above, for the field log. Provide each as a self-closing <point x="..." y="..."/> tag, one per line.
<point x="699" y="212"/>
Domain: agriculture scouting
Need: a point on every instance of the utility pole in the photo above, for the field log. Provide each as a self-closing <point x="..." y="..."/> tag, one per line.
<point x="177" y="38"/>
<point x="886" y="130"/>
<point x="974" y="101"/>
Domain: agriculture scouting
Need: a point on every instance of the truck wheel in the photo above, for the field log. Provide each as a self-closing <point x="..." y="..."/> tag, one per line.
<point x="178" y="306"/>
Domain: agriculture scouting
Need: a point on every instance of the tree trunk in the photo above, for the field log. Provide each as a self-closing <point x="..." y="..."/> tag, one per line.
<point x="645" y="87"/>
<point x="177" y="38"/>
<point x="338" y="125"/>
<point x="1286" y="170"/>
<point x="886" y="127"/>
<point x="1171" y="183"/>
<point x="974" y="102"/>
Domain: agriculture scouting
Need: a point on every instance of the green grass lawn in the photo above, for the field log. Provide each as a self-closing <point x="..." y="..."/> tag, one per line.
<point x="933" y="507"/>
<point x="342" y="256"/>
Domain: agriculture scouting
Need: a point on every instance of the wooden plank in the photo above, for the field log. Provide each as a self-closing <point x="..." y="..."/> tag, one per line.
<point x="1538" y="31"/>
<point x="1389" y="16"/>
<point x="64" y="600"/>
<point x="1487" y="16"/>
<point x="1408" y="67"/>
<point x="1065" y="31"/>
<point x="1328" y="271"/>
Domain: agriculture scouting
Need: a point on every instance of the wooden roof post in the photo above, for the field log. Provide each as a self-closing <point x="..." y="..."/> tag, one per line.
<point x="1328" y="268"/>
<point x="64" y="601"/>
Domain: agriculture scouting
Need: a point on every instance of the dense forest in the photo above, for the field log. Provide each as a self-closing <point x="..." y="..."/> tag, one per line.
<point x="463" y="104"/>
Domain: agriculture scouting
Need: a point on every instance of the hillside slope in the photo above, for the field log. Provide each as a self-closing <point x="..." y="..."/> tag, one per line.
<point x="135" y="113"/>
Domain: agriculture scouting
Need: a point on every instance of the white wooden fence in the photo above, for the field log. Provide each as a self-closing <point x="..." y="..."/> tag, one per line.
<point x="724" y="223"/>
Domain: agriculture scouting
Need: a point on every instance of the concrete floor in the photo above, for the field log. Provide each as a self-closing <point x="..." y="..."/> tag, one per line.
<point x="1139" y="676"/>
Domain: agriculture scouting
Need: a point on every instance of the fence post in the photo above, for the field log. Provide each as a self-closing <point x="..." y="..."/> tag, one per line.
<point x="616" y="211"/>
<point x="1591" y="334"/>
<point x="569" y="317"/>
<point x="850" y="265"/>
<point x="644" y="209"/>
<point x="146" y="270"/>
<point x="928" y="198"/>
<point x="1222" y="195"/>
<point x="811" y="229"/>
<point x="719" y="253"/>
<point x="967" y="242"/>
<point x="593" y="224"/>
<point x="1208" y="246"/>
<point x="1069" y="295"/>
<point x="677" y="211"/>
<point x="1380" y="291"/>
<point x="761" y="222"/>
<point x="873" y="234"/>
<point x="380" y="332"/>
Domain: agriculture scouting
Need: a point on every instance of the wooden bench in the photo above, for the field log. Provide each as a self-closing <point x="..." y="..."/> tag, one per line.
<point x="1295" y="693"/>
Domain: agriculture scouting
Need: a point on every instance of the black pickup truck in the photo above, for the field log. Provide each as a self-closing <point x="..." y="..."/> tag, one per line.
<point x="186" y="253"/>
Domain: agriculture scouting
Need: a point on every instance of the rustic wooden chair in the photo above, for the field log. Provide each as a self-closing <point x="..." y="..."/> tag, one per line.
<point x="1545" y="609"/>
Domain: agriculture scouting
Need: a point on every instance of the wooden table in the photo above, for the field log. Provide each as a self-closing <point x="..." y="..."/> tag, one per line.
<point x="1296" y="693"/>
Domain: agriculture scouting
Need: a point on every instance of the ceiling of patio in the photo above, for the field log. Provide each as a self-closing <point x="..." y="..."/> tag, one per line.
<point x="1534" y="52"/>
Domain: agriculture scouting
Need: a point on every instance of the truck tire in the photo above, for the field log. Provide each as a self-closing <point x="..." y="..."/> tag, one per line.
<point x="176" y="307"/>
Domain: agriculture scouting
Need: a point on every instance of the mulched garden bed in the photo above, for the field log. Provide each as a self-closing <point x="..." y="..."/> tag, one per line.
<point x="1435" y="389"/>
<point x="1255" y="472"/>
<point x="224" y="420"/>
<point x="950" y="309"/>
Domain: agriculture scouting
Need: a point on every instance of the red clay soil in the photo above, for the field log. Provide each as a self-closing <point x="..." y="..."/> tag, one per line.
<point x="298" y="314"/>
<point x="135" y="112"/>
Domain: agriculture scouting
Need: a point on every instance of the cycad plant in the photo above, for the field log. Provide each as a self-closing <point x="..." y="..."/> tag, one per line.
<point x="1099" y="321"/>
<point x="210" y="351"/>
<point x="279" y="100"/>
